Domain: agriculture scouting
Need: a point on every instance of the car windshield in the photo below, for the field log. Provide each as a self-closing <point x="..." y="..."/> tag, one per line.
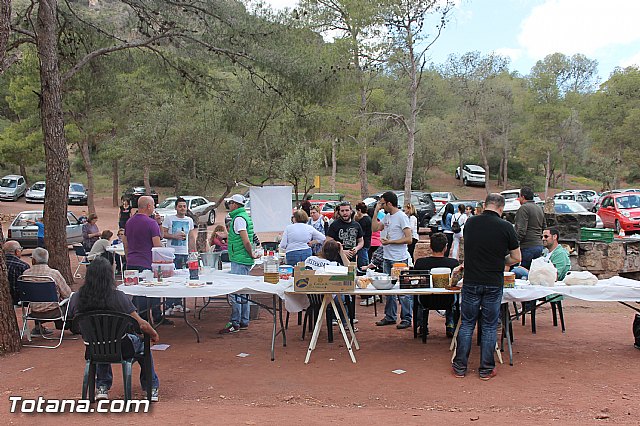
<point x="39" y="187"/>
<point x="628" y="202"/>
<point x="444" y="195"/>
<point x="76" y="187"/>
<point x="22" y="218"/>
<point x="8" y="183"/>
<point x="511" y="195"/>
<point x="570" y="208"/>
<point x="169" y="202"/>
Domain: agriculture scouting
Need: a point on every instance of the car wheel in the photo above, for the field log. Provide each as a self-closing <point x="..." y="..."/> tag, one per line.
<point x="465" y="182"/>
<point x="212" y="217"/>
<point x="617" y="225"/>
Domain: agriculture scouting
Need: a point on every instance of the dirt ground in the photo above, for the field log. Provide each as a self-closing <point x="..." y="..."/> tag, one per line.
<point x="589" y="374"/>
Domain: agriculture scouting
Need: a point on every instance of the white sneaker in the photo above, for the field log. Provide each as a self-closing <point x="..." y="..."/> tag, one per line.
<point x="154" y="395"/>
<point x="178" y="309"/>
<point x="102" y="393"/>
<point x="168" y="312"/>
<point x="355" y="320"/>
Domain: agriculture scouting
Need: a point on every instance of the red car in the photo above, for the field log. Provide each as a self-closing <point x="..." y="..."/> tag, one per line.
<point x="327" y="208"/>
<point x="621" y="211"/>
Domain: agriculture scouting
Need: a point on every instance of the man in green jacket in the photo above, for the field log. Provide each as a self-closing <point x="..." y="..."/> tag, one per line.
<point x="241" y="256"/>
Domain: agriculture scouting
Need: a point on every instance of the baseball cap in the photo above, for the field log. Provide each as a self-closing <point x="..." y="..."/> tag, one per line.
<point x="237" y="198"/>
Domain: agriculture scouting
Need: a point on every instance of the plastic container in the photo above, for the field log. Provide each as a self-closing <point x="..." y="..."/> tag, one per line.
<point x="271" y="267"/>
<point x="440" y="277"/>
<point x="286" y="272"/>
<point x="166" y="269"/>
<point x="595" y="234"/>
<point x="162" y="254"/>
<point x="509" y="279"/>
<point x="194" y="266"/>
<point x="395" y="271"/>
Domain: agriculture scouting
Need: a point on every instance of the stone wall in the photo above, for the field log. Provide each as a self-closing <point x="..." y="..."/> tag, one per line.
<point x="568" y="224"/>
<point x="608" y="259"/>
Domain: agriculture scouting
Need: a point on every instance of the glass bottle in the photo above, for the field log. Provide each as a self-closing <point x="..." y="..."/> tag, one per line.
<point x="271" y="267"/>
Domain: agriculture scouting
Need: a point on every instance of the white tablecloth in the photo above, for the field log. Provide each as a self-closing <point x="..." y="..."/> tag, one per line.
<point x="222" y="283"/>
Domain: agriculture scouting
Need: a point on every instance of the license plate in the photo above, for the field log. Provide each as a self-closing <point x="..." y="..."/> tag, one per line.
<point x="29" y="234"/>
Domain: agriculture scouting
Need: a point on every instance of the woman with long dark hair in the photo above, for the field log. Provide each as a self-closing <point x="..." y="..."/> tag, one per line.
<point x="447" y="216"/>
<point x="99" y="293"/>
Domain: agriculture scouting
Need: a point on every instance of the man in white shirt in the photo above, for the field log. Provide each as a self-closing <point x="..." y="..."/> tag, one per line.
<point x="175" y="229"/>
<point x="395" y="237"/>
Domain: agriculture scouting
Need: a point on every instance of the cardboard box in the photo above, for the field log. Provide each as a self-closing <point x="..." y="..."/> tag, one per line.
<point x="309" y="282"/>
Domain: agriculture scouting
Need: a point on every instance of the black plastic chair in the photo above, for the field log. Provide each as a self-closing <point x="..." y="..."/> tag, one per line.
<point x="81" y="257"/>
<point x="40" y="289"/>
<point x="105" y="336"/>
<point x="428" y="303"/>
<point x="556" y="310"/>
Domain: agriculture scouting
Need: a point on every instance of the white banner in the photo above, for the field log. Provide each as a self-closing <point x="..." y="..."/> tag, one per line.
<point x="271" y="208"/>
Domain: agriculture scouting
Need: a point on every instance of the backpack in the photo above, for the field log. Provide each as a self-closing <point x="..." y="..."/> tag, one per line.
<point x="455" y="225"/>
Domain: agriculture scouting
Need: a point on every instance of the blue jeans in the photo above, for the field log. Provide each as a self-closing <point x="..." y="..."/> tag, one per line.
<point x="180" y="262"/>
<point x="293" y="257"/>
<point x="528" y="254"/>
<point x="363" y="257"/>
<point x="239" y="305"/>
<point x="406" y="302"/>
<point x="521" y="273"/>
<point x="475" y="297"/>
<point x="142" y="303"/>
<point x="104" y="375"/>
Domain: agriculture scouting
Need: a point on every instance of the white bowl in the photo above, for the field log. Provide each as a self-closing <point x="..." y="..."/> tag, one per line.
<point x="381" y="282"/>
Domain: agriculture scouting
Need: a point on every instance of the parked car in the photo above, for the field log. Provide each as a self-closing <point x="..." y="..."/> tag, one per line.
<point x="327" y="207"/>
<point x="132" y="194"/>
<point x="12" y="187"/>
<point x="27" y="234"/>
<point x="590" y="194"/>
<point x="472" y="174"/>
<point x="424" y="204"/>
<point x="35" y="194"/>
<point x="442" y="198"/>
<point x="435" y="224"/>
<point x="575" y="195"/>
<point x="202" y="208"/>
<point x="569" y="206"/>
<point x="621" y="211"/>
<point x="77" y="194"/>
<point x="511" y="199"/>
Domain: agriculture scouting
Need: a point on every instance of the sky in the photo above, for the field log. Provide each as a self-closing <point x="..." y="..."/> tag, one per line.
<point x="528" y="30"/>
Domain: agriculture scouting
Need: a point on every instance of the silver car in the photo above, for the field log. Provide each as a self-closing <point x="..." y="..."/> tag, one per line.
<point x="35" y="194"/>
<point x="12" y="187"/>
<point x="26" y="233"/>
<point x="202" y="208"/>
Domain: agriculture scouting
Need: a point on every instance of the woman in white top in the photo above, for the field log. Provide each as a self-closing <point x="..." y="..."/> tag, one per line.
<point x="410" y="211"/>
<point x="330" y="254"/>
<point x="461" y="218"/>
<point x="298" y="238"/>
<point x="320" y="223"/>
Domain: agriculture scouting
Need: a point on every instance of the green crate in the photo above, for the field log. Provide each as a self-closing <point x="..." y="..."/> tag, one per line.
<point x="595" y="234"/>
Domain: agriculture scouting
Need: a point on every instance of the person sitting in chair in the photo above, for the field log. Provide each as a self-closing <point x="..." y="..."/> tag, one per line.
<point x="41" y="269"/>
<point x="99" y="248"/>
<point x="99" y="293"/>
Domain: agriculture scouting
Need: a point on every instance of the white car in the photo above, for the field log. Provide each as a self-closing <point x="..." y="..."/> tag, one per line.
<point x="202" y="208"/>
<point x="442" y="198"/>
<point x="575" y="195"/>
<point x="35" y="194"/>
<point x="12" y="187"/>
<point x="511" y="202"/>
<point x="472" y="174"/>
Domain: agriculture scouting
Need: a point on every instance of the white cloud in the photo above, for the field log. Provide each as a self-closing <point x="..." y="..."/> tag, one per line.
<point x="631" y="61"/>
<point x="579" y="26"/>
<point x="513" y="54"/>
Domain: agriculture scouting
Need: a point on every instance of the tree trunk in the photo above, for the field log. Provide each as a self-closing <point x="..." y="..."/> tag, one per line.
<point x="501" y="170"/>
<point x="9" y="334"/>
<point x="23" y="171"/>
<point x="5" y="32"/>
<point x="505" y="173"/>
<point x="88" y="167"/>
<point x="460" y="165"/>
<point x="485" y="161"/>
<point x="411" y="126"/>
<point x="55" y="145"/>
<point x="334" y="163"/>
<point x="147" y="185"/>
<point x="364" y="184"/>
<point x="115" y="196"/>
<point x="547" y="175"/>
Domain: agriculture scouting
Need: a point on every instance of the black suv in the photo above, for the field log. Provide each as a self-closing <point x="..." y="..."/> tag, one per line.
<point x="132" y="194"/>
<point x="422" y="201"/>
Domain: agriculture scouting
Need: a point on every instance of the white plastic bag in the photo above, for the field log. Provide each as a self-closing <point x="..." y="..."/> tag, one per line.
<point x="542" y="272"/>
<point x="580" y="278"/>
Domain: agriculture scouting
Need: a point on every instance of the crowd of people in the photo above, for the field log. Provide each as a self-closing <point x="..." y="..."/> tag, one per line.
<point x="376" y="242"/>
